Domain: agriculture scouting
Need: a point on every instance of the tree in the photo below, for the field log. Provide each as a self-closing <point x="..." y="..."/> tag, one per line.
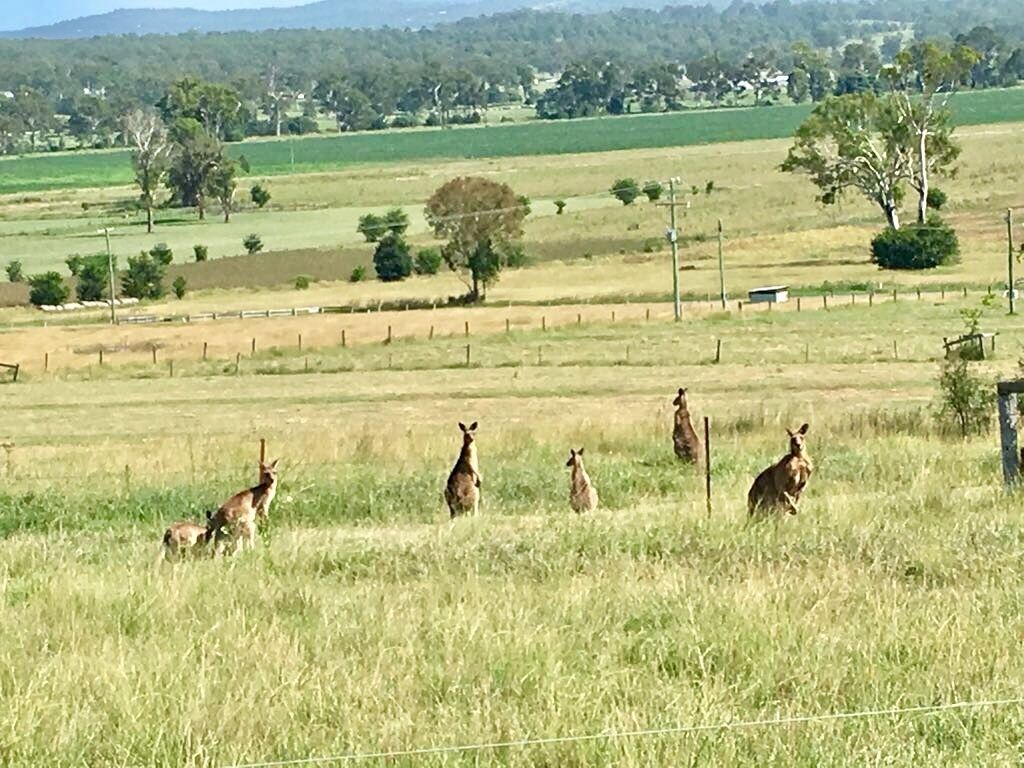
<point x="858" y="71"/>
<point x="92" y="277"/>
<point x="391" y="258"/>
<point x="217" y="108"/>
<point x="427" y="262"/>
<point x="35" y="112"/>
<point x="626" y="190"/>
<point x="653" y="190"/>
<point x="478" y="218"/>
<point x="278" y="97"/>
<point x="48" y="288"/>
<point x="798" y="86"/>
<point x="201" y="252"/>
<point x="396" y="221"/>
<point x="815" y="65"/>
<point x="151" y="149"/>
<point x="162" y="254"/>
<point x="222" y="185"/>
<point x="144" y="277"/>
<point x="921" y="81"/>
<point x="372" y="227"/>
<point x="14" y="271"/>
<point x="853" y="142"/>
<point x="252" y="244"/>
<point x="259" y="196"/>
<point x="197" y="155"/>
<point x="917" y="246"/>
<point x="179" y="286"/>
<point x="964" y="397"/>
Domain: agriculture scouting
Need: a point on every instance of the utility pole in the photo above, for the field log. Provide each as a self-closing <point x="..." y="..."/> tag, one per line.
<point x="721" y="268"/>
<point x="673" y="239"/>
<point x="1010" y="256"/>
<point x="110" y="269"/>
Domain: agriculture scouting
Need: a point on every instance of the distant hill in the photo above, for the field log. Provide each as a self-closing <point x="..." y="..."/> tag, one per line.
<point x="326" y="14"/>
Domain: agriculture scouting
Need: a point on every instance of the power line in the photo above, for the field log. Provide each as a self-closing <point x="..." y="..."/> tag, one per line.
<point x="608" y="735"/>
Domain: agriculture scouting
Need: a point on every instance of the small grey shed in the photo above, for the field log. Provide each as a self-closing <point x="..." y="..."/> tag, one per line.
<point x="768" y="293"/>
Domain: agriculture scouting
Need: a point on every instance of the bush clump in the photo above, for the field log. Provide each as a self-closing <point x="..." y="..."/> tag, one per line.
<point x="302" y="282"/>
<point x="253" y="244"/>
<point x="202" y="253"/>
<point x="916" y="246"/>
<point x="358" y="274"/>
<point x="47" y="288"/>
<point x="391" y="259"/>
<point x="427" y="262"/>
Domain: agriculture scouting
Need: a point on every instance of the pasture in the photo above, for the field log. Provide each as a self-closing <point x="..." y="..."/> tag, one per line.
<point x="366" y="621"/>
<point x="274" y="157"/>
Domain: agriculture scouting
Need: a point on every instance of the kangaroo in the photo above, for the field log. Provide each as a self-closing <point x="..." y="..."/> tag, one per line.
<point x="684" y="438"/>
<point x="582" y="493"/>
<point x="236" y="518"/>
<point x="778" y="488"/>
<point x="183" y="538"/>
<point x="462" y="493"/>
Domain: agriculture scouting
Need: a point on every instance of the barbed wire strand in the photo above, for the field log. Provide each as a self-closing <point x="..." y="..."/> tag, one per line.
<point x="607" y="735"/>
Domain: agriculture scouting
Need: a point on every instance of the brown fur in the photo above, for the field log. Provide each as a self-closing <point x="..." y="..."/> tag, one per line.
<point x="582" y="493"/>
<point x="462" y="492"/>
<point x="684" y="437"/>
<point x="778" y="488"/>
<point x="183" y="538"/>
<point x="236" y="518"/>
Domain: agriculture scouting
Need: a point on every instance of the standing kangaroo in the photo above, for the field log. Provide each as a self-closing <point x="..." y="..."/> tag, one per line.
<point x="684" y="438"/>
<point x="183" y="538"/>
<point x="778" y="488"/>
<point x="236" y="518"/>
<point x="582" y="493"/>
<point x="462" y="493"/>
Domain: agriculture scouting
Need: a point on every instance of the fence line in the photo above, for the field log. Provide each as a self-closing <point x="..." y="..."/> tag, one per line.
<point x="636" y="734"/>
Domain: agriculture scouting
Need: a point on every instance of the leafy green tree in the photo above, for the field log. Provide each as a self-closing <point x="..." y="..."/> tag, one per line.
<point x="14" y="271"/>
<point x="259" y="196"/>
<point x="396" y="221"/>
<point x="48" y="288"/>
<point x="162" y="253"/>
<point x="372" y="227"/>
<point x="391" y="259"/>
<point x="222" y="184"/>
<point x="478" y="218"/>
<point x="916" y="246"/>
<point x="179" y="286"/>
<point x="253" y="244"/>
<point x="151" y="150"/>
<point x="427" y="262"/>
<point x="217" y="108"/>
<point x="653" y="190"/>
<point x="798" y="86"/>
<point x="144" y="277"/>
<point x="201" y="252"/>
<point x="197" y="155"/>
<point x="853" y="142"/>
<point x="964" y="398"/>
<point x="625" y="190"/>
<point x="35" y="112"/>
<point x="92" y="277"/>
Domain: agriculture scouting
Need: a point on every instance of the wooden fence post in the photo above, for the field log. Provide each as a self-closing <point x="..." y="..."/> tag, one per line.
<point x="543" y="322"/>
<point x="254" y="345"/>
<point x="101" y="355"/>
<point x="388" y="341"/>
<point x="205" y="344"/>
<point x="507" y="325"/>
<point x="46" y="362"/>
<point x="1007" y="392"/>
<point x="17" y="370"/>
<point x="797" y="303"/>
<point x="300" y="342"/>
<point x="170" y="368"/>
<point x="718" y="351"/>
<point x="343" y="341"/>
<point x="263" y="450"/>
<point x="154" y="354"/>
<point x="468" y="353"/>
<point x="430" y="336"/>
<point x="707" y="462"/>
<point x="238" y="360"/>
<point x="467" y="327"/>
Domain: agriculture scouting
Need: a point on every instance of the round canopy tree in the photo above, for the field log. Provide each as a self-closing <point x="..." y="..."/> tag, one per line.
<point x="480" y="219"/>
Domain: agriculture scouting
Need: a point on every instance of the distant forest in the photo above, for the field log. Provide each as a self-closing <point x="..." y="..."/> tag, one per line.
<point x="74" y="93"/>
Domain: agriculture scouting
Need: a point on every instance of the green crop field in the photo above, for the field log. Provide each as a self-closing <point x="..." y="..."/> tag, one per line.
<point x="273" y="157"/>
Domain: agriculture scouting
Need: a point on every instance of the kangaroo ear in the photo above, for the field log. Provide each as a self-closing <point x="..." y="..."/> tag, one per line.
<point x="790" y="432"/>
<point x="462" y="426"/>
<point x="579" y="452"/>
<point x="572" y="452"/>
<point x="273" y="464"/>
<point x="472" y="427"/>
<point x="804" y="428"/>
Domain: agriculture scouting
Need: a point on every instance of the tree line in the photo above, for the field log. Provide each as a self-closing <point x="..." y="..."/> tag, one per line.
<point x="74" y="93"/>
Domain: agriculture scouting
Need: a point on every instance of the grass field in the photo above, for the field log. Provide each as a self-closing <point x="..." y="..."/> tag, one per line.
<point x="367" y="622"/>
<point x="276" y="157"/>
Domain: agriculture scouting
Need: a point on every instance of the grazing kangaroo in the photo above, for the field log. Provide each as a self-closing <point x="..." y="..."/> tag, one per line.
<point x="236" y="518"/>
<point x="183" y="538"/>
<point x="582" y="493"/>
<point x="684" y="438"/>
<point x="462" y="493"/>
<point x="778" y="488"/>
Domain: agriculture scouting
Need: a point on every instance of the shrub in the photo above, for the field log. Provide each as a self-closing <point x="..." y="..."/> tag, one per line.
<point x="653" y="190"/>
<point x="524" y="203"/>
<point x="162" y="253"/>
<point x="405" y="121"/>
<point x="92" y="277"/>
<point x="427" y="262"/>
<point x="74" y="263"/>
<point x="47" y="288"/>
<point x="372" y="227"/>
<point x="259" y="196"/>
<point x="252" y="244"/>
<point x="396" y="221"/>
<point x="201" y="251"/>
<point x="358" y="274"/>
<point x="178" y="286"/>
<point x="300" y="126"/>
<point x="916" y="246"/>
<point x="14" y="271"/>
<point x="144" y="277"/>
<point x="391" y="260"/>
<point x="937" y="199"/>
<point x="559" y="206"/>
<point x="302" y="282"/>
<point x="709" y="187"/>
<point x="652" y="244"/>
<point x="626" y="190"/>
<point x="965" y="399"/>
<point x="515" y="256"/>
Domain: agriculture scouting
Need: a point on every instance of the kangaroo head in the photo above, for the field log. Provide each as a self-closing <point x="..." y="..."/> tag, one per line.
<point x="680" y="400"/>
<point x="468" y="433"/>
<point x="268" y="472"/>
<point x="796" y="440"/>
<point x="575" y="458"/>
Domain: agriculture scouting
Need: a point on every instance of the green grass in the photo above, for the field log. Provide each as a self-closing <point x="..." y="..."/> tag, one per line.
<point x="98" y="169"/>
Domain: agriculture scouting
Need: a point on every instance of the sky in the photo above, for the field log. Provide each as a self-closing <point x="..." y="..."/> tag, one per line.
<point x="17" y="14"/>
